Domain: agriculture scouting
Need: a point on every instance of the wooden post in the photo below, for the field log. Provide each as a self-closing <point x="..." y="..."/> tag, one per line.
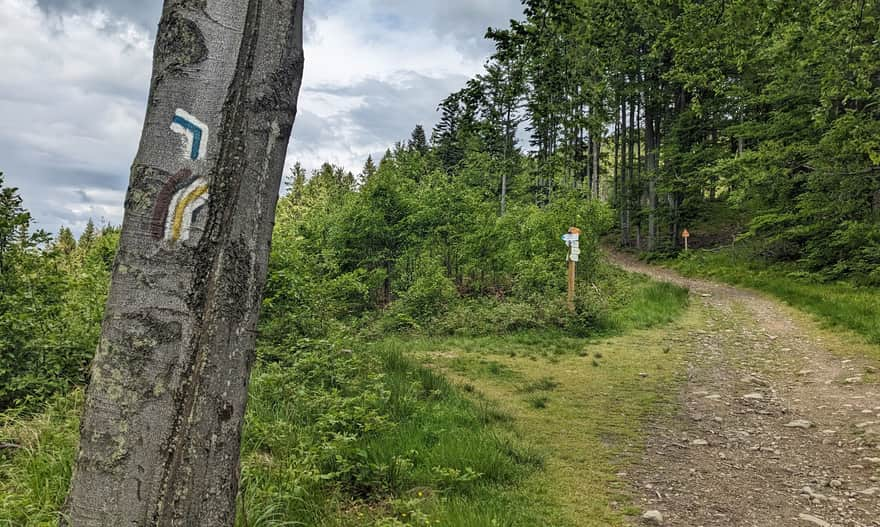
<point x="686" y="235"/>
<point x="572" y="239"/>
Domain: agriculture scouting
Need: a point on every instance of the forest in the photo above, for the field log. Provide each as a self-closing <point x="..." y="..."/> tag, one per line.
<point x="755" y="124"/>
<point x="664" y="108"/>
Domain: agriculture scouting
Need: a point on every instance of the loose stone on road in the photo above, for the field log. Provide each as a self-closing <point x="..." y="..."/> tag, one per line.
<point x="779" y="420"/>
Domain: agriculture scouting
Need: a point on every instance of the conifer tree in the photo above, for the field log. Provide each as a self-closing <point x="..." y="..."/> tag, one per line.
<point x="66" y="243"/>
<point x="369" y="170"/>
<point x="418" y="142"/>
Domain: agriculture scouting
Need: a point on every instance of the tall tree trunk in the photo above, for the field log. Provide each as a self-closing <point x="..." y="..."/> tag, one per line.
<point x="508" y="139"/>
<point x="713" y="181"/>
<point x="587" y="140"/>
<point x="624" y="180"/>
<point x="640" y="182"/>
<point x="504" y="188"/>
<point x="504" y="192"/>
<point x="652" y="153"/>
<point x="639" y="158"/>
<point x="597" y="153"/>
<point x="631" y="167"/>
<point x="160" y="434"/>
<point x="616" y="158"/>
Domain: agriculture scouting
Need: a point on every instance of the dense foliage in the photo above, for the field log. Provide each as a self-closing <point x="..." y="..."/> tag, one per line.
<point x="666" y="105"/>
<point x="406" y="245"/>
<point x="52" y="297"/>
<point x="407" y="242"/>
<point x="333" y="437"/>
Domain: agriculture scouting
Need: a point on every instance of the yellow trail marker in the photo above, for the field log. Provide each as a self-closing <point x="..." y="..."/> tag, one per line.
<point x="181" y="209"/>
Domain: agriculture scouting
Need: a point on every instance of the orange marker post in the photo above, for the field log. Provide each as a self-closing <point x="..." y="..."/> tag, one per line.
<point x="685" y="235"/>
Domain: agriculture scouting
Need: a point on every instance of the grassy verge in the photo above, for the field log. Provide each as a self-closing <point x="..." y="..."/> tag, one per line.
<point x="332" y="438"/>
<point x="582" y="403"/>
<point x="521" y="429"/>
<point x="837" y="304"/>
<point x="649" y="304"/>
<point x="35" y="465"/>
<point x="369" y="438"/>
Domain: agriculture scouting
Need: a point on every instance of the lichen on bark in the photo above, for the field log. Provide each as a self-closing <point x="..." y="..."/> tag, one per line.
<point x="180" y="43"/>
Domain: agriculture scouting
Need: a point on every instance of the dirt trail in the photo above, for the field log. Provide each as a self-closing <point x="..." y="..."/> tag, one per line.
<point x="779" y="422"/>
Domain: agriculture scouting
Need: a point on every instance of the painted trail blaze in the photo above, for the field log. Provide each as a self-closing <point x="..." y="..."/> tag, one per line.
<point x="194" y="132"/>
<point x="185" y="195"/>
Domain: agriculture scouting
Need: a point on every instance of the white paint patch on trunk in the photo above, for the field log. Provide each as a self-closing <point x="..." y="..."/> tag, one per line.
<point x="188" y="210"/>
<point x="194" y="132"/>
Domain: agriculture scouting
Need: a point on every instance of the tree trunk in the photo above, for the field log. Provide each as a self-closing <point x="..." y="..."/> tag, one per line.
<point x="624" y="189"/>
<point x="639" y="180"/>
<point x="652" y="163"/>
<point x="631" y="167"/>
<point x="597" y="153"/>
<point x="617" y="158"/>
<point x="508" y="133"/>
<point x="504" y="192"/>
<point x="160" y="434"/>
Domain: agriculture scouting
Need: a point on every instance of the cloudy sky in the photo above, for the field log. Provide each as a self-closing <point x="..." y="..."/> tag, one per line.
<point x="75" y="75"/>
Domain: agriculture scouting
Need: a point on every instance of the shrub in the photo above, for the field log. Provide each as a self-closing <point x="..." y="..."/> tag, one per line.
<point x="488" y="316"/>
<point x="430" y="294"/>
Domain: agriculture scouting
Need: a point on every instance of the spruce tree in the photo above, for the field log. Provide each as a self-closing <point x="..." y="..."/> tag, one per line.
<point x="418" y="142"/>
<point x="66" y="243"/>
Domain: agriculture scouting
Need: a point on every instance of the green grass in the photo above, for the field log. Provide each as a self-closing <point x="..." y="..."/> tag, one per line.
<point x="337" y="438"/>
<point x="649" y="305"/>
<point x="331" y="438"/>
<point x="838" y="304"/>
<point x="35" y="471"/>
<point x="538" y="402"/>
<point x="587" y="422"/>
<point x="547" y="384"/>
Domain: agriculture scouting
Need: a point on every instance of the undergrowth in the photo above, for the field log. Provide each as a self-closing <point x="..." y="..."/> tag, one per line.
<point x="360" y="435"/>
<point x="608" y="302"/>
<point x="838" y="304"/>
<point x="332" y="437"/>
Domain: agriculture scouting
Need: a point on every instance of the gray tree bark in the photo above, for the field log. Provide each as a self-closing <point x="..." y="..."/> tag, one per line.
<point x="160" y="433"/>
<point x="597" y="156"/>
<point x="652" y="164"/>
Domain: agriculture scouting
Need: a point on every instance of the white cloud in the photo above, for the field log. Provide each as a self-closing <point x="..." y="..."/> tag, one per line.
<point x="76" y="75"/>
<point x="343" y="52"/>
<point x="71" y="101"/>
<point x="70" y="89"/>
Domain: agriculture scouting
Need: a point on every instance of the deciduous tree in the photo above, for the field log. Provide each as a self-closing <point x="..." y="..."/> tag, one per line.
<point x="160" y="433"/>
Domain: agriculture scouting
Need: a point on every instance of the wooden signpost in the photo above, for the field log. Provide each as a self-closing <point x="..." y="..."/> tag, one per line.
<point x="685" y="235"/>
<point x="572" y="240"/>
